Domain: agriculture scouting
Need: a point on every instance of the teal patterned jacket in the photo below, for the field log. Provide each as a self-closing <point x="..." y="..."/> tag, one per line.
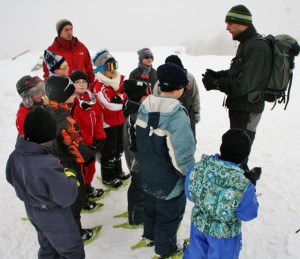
<point x="216" y="187"/>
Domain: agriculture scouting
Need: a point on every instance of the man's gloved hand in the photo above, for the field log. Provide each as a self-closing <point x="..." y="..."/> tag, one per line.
<point x="98" y="145"/>
<point x="197" y="117"/>
<point x="216" y="74"/>
<point x="116" y="99"/>
<point x="253" y="175"/>
<point x="210" y="83"/>
<point x="71" y="173"/>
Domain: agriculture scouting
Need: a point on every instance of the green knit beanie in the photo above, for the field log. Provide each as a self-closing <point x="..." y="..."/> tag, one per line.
<point x="239" y="14"/>
<point x="61" y="24"/>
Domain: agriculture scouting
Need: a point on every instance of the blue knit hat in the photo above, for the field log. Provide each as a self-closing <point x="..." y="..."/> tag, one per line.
<point x="171" y="77"/>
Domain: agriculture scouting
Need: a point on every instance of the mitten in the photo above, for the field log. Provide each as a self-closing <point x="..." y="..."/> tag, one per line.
<point x="71" y="173"/>
<point x="216" y="74"/>
<point x="253" y="175"/>
<point x="98" y="145"/>
<point x="197" y="117"/>
<point x="116" y="99"/>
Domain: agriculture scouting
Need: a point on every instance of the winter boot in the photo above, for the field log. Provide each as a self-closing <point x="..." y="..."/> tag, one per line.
<point x="91" y="192"/>
<point x="87" y="234"/>
<point x="108" y="175"/>
<point x="89" y="204"/>
<point x="119" y="171"/>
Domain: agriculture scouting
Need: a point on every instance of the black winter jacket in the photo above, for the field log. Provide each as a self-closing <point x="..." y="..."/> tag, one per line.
<point x="249" y="72"/>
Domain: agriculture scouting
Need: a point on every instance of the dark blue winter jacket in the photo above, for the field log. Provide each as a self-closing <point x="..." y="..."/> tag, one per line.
<point x="38" y="177"/>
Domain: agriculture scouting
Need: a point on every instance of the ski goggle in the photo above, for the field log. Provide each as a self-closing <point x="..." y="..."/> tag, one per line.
<point x="30" y="83"/>
<point x="87" y="104"/>
<point x="111" y="66"/>
<point x="39" y="89"/>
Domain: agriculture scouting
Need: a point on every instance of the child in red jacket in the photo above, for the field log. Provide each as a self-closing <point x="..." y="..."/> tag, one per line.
<point x="87" y="113"/>
<point x="110" y="94"/>
<point x="31" y="90"/>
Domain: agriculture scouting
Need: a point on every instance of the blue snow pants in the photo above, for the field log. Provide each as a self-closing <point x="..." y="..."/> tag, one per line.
<point x="161" y="222"/>
<point x="57" y="231"/>
<point x="203" y="246"/>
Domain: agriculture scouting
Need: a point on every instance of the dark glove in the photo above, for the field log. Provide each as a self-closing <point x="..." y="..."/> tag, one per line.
<point x="211" y="83"/>
<point x="116" y="99"/>
<point x="253" y="175"/>
<point x="98" y="145"/>
<point x="197" y="117"/>
<point x="216" y="74"/>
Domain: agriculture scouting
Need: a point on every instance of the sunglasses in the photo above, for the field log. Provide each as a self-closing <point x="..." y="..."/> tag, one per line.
<point x="65" y="67"/>
<point x="148" y="57"/>
<point x="87" y="104"/>
<point x="108" y="67"/>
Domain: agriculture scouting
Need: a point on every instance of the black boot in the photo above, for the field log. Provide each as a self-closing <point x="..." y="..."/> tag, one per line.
<point x="119" y="171"/>
<point x="92" y="192"/>
<point x="108" y="175"/>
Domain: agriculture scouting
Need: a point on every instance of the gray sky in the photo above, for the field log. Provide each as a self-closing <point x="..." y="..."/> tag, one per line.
<point x="128" y="25"/>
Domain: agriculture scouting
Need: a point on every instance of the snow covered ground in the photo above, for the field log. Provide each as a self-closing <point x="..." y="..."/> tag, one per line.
<point x="276" y="150"/>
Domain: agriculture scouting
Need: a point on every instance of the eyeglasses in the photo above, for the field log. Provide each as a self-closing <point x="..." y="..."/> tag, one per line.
<point x="65" y="67"/>
<point x="148" y="57"/>
<point x="81" y="82"/>
<point x="111" y="66"/>
<point x="38" y="89"/>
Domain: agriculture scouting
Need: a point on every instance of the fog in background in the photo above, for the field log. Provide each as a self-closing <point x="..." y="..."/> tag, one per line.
<point x="128" y="25"/>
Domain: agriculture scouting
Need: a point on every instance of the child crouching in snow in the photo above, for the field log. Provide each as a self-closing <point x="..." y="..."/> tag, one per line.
<point x="223" y="197"/>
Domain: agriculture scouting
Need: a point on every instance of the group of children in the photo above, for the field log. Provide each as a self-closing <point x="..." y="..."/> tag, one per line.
<point x="77" y="122"/>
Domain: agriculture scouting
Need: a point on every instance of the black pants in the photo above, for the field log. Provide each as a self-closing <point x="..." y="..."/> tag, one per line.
<point x="77" y="206"/>
<point x="113" y="147"/>
<point x="136" y="199"/>
<point x="161" y="222"/>
<point x="246" y="121"/>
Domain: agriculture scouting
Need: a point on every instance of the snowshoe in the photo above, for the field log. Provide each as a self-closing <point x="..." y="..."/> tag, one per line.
<point x="128" y="226"/>
<point x="122" y="215"/>
<point x="91" y="206"/>
<point x="95" y="232"/>
<point x="115" y="183"/>
<point x="143" y="243"/>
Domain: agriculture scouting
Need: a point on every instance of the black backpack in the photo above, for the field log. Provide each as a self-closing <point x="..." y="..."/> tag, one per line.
<point x="284" y="49"/>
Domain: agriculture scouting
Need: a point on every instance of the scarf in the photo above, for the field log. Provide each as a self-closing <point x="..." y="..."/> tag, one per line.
<point x="146" y="70"/>
<point x="114" y="82"/>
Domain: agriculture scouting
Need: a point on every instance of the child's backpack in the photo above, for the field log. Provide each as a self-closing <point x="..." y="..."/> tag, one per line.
<point x="284" y="49"/>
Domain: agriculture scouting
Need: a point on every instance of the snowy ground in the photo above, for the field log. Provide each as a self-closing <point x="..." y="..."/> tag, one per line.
<point x="276" y="149"/>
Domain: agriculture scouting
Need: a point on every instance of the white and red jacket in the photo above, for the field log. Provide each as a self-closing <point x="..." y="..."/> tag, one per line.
<point x="105" y="89"/>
